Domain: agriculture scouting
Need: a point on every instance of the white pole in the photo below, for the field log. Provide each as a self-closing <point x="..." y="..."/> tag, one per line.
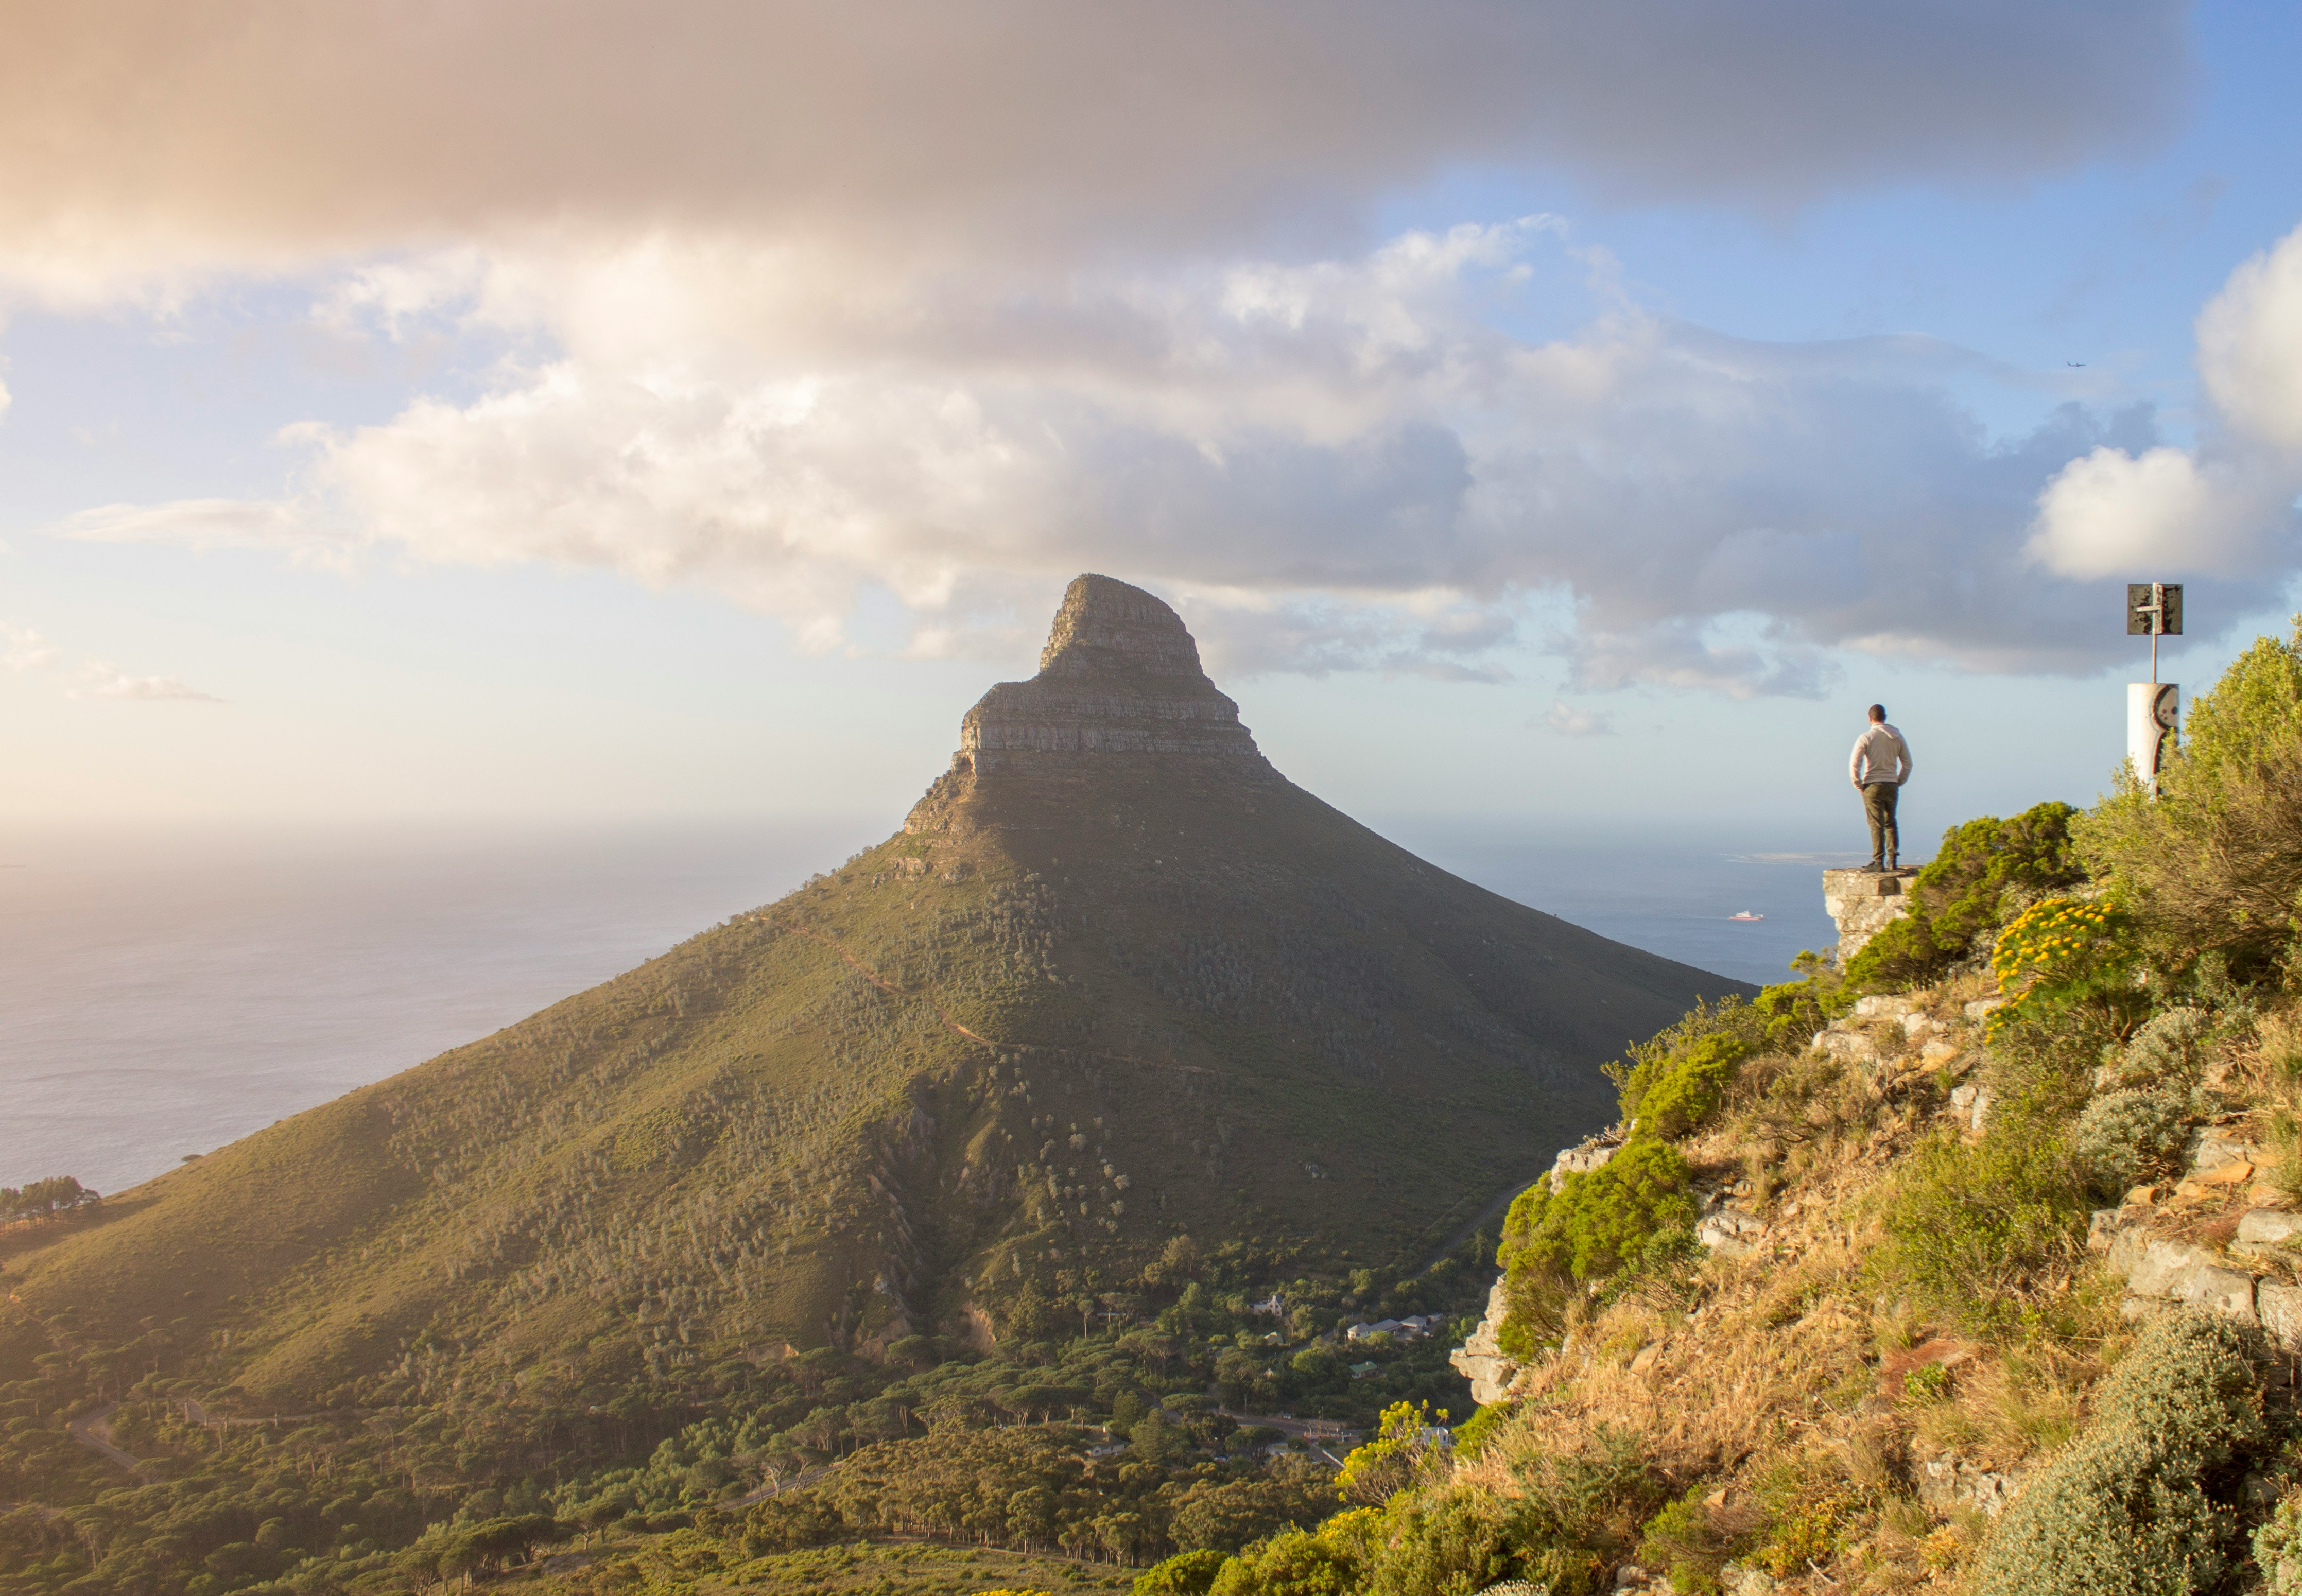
<point x="2153" y="709"/>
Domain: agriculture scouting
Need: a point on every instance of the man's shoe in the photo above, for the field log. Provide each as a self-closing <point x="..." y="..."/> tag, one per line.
<point x="1874" y="868"/>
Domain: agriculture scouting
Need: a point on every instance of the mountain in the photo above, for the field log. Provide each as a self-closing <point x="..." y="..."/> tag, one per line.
<point x="1116" y="980"/>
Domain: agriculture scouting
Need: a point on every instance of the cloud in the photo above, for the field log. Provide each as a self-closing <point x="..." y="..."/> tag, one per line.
<point x="106" y="681"/>
<point x="1578" y="723"/>
<point x="1343" y="464"/>
<point x="199" y="524"/>
<point x="26" y="649"/>
<point x="2226" y="506"/>
<point x="141" y="141"/>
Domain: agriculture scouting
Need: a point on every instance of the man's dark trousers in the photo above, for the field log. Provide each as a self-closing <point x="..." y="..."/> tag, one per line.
<point x="1878" y="805"/>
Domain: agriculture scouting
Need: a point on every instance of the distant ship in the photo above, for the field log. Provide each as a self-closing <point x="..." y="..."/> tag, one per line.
<point x="1746" y="914"/>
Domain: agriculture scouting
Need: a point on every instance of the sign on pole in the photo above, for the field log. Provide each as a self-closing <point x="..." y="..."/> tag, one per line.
<point x="2153" y="708"/>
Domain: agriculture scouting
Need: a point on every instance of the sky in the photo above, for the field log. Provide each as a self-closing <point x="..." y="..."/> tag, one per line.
<point x="595" y="411"/>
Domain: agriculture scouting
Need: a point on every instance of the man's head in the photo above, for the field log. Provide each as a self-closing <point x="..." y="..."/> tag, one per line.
<point x="1878" y="714"/>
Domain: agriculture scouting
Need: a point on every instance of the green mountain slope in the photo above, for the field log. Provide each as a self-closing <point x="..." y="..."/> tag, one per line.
<point x="1115" y="979"/>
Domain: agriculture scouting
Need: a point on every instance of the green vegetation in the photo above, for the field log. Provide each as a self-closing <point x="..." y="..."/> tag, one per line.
<point x="1920" y="1328"/>
<point x="2213" y="864"/>
<point x="1968" y="1224"/>
<point x="1630" y="1213"/>
<point x="2143" y="1503"/>
<point x="44" y="1199"/>
<point x="1984" y="873"/>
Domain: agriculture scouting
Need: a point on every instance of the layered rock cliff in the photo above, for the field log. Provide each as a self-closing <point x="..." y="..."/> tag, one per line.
<point x="1120" y="675"/>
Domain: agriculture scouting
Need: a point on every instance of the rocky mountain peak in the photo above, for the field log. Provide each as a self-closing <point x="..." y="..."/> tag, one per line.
<point x="1120" y="675"/>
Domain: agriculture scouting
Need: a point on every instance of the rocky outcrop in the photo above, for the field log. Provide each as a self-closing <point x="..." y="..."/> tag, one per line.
<point x="1120" y="675"/>
<point x="1481" y="1359"/>
<point x="1862" y="902"/>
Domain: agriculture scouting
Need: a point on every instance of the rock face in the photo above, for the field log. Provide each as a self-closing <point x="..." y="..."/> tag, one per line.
<point x="1120" y="675"/>
<point x="1861" y="903"/>
<point x="1481" y="1359"/>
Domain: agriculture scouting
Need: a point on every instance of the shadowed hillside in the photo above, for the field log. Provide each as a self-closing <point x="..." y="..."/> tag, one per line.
<point x="1115" y="979"/>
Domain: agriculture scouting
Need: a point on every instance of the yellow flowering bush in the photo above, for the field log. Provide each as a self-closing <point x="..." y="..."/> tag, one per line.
<point x="2065" y="952"/>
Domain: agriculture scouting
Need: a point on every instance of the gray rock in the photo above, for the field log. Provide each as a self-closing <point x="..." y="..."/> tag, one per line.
<point x="1729" y="1234"/>
<point x="1969" y="1105"/>
<point x="1949" y="1482"/>
<point x="2225" y="1291"/>
<point x="2265" y="1229"/>
<point x="1879" y="1006"/>
<point x="1481" y="1359"/>
<point x="2280" y="1307"/>
<point x="1862" y="903"/>
<point x="1981" y="1008"/>
<point x="2210" y="1149"/>
<point x="1738" y="1579"/>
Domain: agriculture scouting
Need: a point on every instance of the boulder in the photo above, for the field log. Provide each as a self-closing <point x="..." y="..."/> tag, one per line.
<point x="1969" y="1105"/>
<point x="2265" y="1231"/>
<point x="1949" y="1481"/>
<point x="2280" y="1307"/>
<point x="1729" y="1234"/>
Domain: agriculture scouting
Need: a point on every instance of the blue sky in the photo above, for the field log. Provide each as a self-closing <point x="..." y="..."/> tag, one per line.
<point x="1581" y="426"/>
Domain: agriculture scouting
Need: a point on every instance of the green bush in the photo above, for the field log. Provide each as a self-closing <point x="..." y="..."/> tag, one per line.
<point x="2213" y="863"/>
<point x="2137" y="1504"/>
<point x="1966" y="1225"/>
<point x="1670" y="1094"/>
<point x="2123" y="1138"/>
<point x="2168" y="1053"/>
<point x="1631" y="1210"/>
<point x="2277" y="1549"/>
<point x="1186" y="1573"/>
<point x="1685" y="1540"/>
<point x="1293" y="1563"/>
<point x="1472" y="1434"/>
<point x="1984" y="872"/>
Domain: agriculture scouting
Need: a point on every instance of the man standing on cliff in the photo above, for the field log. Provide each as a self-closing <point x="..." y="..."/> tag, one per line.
<point x="1880" y="766"/>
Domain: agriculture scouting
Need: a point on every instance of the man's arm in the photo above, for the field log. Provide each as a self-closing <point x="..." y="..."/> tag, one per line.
<point x="1902" y="750"/>
<point x="1854" y="762"/>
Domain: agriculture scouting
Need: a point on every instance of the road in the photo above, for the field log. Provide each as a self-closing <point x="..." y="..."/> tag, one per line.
<point x="94" y="1431"/>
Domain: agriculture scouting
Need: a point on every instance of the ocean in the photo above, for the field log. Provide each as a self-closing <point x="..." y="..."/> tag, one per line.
<point x="163" y="995"/>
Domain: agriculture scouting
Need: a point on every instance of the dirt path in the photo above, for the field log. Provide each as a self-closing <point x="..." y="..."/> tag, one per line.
<point x="94" y="1431"/>
<point x="957" y="1029"/>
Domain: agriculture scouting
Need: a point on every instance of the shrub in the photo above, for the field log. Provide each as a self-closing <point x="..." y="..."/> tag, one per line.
<point x="1670" y="1094"/>
<point x="787" y="1523"/>
<point x="1294" y="1563"/>
<point x="1966" y="1224"/>
<point x="2062" y="955"/>
<point x="2214" y="861"/>
<point x="1186" y="1573"/>
<point x="1985" y="871"/>
<point x="1597" y="1223"/>
<point x="1472" y="1434"/>
<point x="1687" y="1539"/>
<point x="2277" y="1549"/>
<point x="2169" y="1052"/>
<point x="2123" y="1138"/>
<point x="2132" y="1506"/>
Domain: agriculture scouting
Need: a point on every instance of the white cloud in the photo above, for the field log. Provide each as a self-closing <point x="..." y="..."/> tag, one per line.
<point x="1577" y="723"/>
<point x="201" y="524"/>
<point x="102" y="680"/>
<point x="2226" y="507"/>
<point x="1346" y="463"/>
<point x="2250" y="346"/>
<point x="26" y="649"/>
